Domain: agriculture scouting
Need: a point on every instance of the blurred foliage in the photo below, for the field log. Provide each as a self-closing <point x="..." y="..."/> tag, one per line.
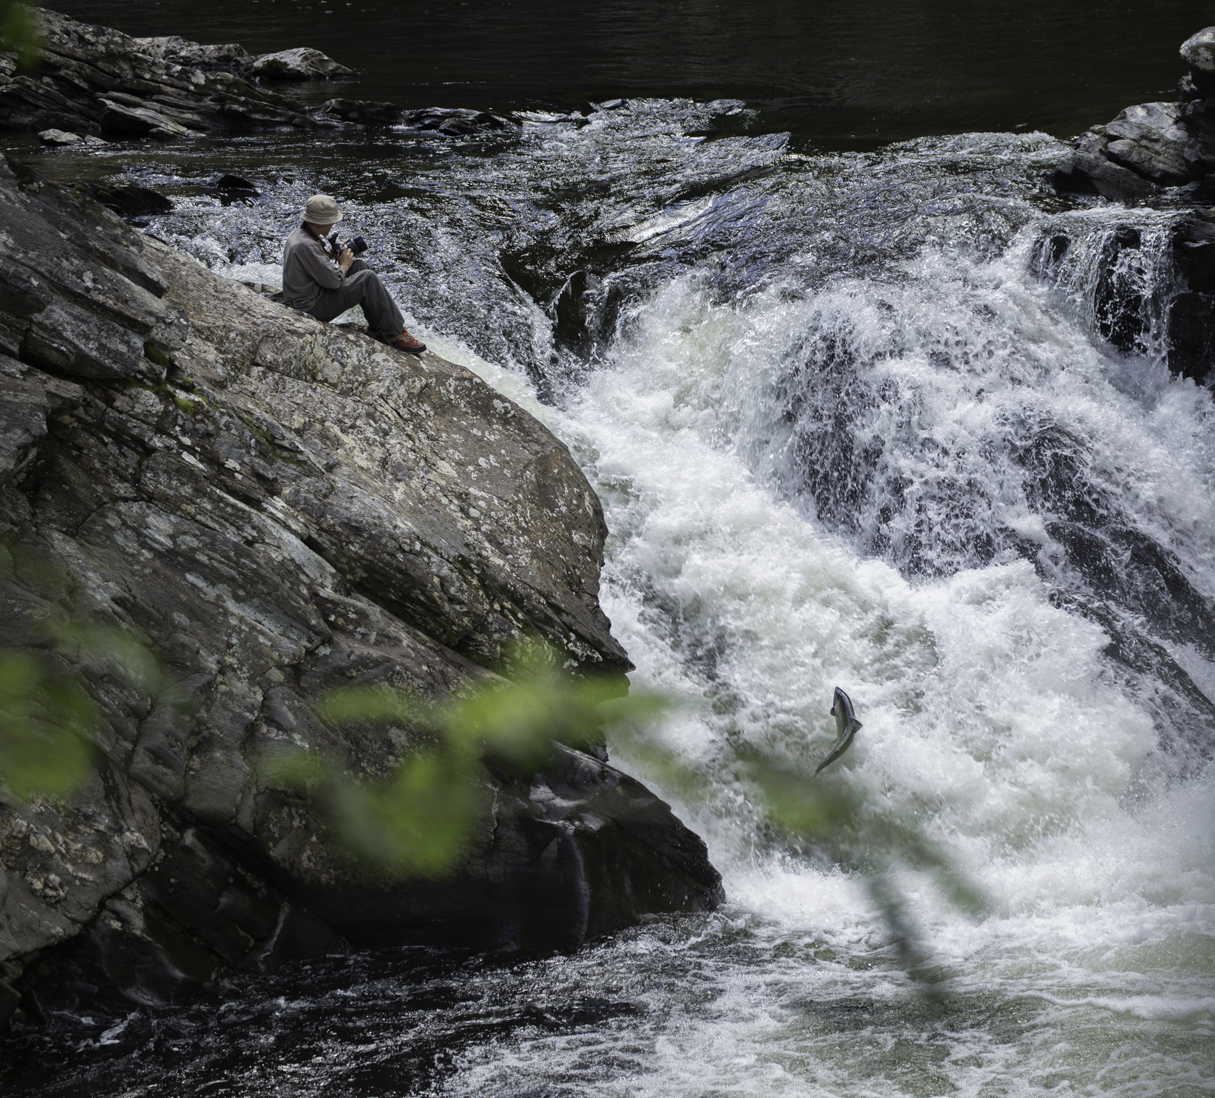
<point x="823" y="816"/>
<point x="47" y="716"/>
<point x="419" y="820"/>
<point x="826" y="816"/>
<point x="45" y="719"/>
<point x="18" y="34"/>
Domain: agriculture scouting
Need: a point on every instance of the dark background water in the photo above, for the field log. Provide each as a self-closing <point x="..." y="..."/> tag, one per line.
<point x="839" y="73"/>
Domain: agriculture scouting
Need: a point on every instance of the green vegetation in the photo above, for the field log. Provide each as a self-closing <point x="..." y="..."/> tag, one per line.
<point x="418" y="821"/>
<point x="18" y="35"/>
<point x="45" y="719"/>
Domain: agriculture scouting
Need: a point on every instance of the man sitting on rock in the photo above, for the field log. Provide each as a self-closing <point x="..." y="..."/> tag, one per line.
<point x="323" y="287"/>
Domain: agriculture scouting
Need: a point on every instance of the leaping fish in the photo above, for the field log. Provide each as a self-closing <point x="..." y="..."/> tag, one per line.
<point x="846" y="726"/>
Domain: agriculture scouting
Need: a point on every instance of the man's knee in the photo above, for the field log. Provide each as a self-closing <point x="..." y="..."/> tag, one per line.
<point x="363" y="282"/>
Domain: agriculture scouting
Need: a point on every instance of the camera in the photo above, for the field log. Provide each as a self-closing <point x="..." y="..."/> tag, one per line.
<point x="357" y="245"/>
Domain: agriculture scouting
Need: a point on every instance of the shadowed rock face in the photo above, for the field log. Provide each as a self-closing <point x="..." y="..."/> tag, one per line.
<point x="275" y="507"/>
<point x="1160" y="154"/>
<point x="99" y="82"/>
<point x="94" y="80"/>
<point x="1151" y="148"/>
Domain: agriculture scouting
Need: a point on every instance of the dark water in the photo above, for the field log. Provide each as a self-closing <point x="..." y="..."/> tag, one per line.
<point x="849" y="429"/>
<point x="836" y="73"/>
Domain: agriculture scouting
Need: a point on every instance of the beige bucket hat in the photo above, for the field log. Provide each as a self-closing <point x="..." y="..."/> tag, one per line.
<point x="322" y="210"/>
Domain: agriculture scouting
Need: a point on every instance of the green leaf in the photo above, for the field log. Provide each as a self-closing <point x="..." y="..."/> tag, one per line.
<point x="45" y="717"/>
<point x="18" y="34"/>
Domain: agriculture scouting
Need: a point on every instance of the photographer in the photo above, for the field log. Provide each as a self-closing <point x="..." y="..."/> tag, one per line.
<point x="325" y="285"/>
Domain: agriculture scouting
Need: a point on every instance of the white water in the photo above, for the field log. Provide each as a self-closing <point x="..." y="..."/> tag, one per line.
<point x="818" y="480"/>
<point x="992" y="726"/>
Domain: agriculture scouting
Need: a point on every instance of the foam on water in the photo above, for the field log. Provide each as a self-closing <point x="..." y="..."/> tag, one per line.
<point x="843" y="429"/>
<point x="992" y="723"/>
<point x="994" y="728"/>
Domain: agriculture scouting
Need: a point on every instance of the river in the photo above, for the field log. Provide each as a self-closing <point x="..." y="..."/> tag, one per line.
<point x="850" y="428"/>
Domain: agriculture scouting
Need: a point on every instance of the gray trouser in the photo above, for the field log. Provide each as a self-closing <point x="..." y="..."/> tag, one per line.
<point x="362" y="286"/>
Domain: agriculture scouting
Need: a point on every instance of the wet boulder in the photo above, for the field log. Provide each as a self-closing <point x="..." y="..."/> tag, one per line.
<point x="301" y="63"/>
<point x="1194" y="249"/>
<point x="1119" y="291"/>
<point x="130" y="200"/>
<point x="1192" y="336"/>
<point x="1157" y="152"/>
<point x="1198" y="51"/>
<point x="1151" y="147"/>
<point x="454" y="122"/>
<point x="1148" y="139"/>
<point x="124" y="119"/>
<point x="59" y="137"/>
<point x="237" y="184"/>
<point x="180" y="51"/>
<point x="1191" y="318"/>
<point x="363" y="113"/>
<point x="1089" y="170"/>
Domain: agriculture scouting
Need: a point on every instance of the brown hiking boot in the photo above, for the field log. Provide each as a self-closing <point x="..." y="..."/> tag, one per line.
<point x="406" y="342"/>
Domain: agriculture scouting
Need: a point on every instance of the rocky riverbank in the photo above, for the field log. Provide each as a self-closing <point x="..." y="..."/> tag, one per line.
<point x="1154" y="150"/>
<point x="274" y="506"/>
<point x="1158" y="154"/>
<point x="98" y="82"/>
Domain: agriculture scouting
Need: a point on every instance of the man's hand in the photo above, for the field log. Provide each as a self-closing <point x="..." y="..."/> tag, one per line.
<point x="345" y="259"/>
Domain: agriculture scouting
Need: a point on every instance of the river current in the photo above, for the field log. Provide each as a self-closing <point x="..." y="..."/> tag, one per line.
<point x="850" y="427"/>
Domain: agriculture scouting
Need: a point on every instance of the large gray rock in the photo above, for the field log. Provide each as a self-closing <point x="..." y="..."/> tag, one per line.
<point x="1153" y="146"/>
<point x="59" y="137"/>
<point x="1198" y="51"/>
<point x="301" y="63"/>
<point x="1149" y="139"/>
<point x="274" y="506"/>
<point x="94" y="80"/>
<point x="1161" y="152"/>
<point x="1089" y="168"/>
<point x="180" y="51"/>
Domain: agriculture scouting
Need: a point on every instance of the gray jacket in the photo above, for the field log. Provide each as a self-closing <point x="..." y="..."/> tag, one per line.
<point x="307" y="270"/>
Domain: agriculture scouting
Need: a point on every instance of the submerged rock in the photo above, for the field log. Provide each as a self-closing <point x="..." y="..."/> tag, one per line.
<point x="237" y="183"/>
<point x="454" y="121"/>
<point x="130" y="200"/>
<point x="363" y="113"/>
<point x="275" y="506"/>
<point x="59" y="137"/>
